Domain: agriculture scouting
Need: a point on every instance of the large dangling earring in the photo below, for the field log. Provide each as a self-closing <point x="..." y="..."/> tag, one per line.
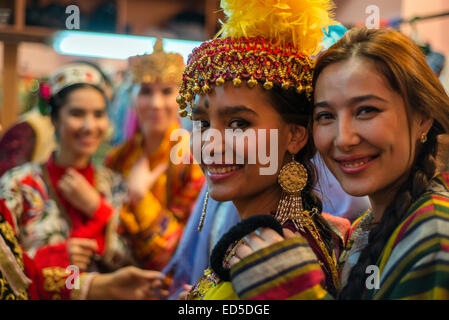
<point x="203" y="213"/>
<point x="292" y="178"/>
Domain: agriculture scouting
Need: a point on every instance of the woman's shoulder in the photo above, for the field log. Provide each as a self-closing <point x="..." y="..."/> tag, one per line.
<point x="434" y="200"/>
<point x="428" y="217"/>
<point x="118" y="155"/>
<point x="30" y="169"/>
<point x="422" y="235"/>
<point x="440" y="184"/>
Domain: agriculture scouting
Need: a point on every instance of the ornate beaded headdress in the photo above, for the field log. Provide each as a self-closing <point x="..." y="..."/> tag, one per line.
<point x="160" y="66"/>
<point x="263" y="41"/>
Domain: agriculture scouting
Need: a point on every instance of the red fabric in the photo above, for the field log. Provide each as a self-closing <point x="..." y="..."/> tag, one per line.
<point x="445" y="176"/>
<point x="82" y="226"/>
<point x="287" y="289"/>
<point x="31" y="272"/>
<point x="342" y="224"/>
<point x="315" y="248"/>
<point x="4" y="211"/>
<point x="51" y="256"/>
<point x="39" y="289"/>
<point x="33" y="268"/>
<point x="16" y="146"/>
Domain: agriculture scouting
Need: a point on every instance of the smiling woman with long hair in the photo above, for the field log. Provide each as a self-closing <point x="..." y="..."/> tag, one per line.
<point x="379" y="117"/>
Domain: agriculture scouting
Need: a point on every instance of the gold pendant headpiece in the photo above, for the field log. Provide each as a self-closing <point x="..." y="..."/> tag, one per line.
<point x="159" y="66"/>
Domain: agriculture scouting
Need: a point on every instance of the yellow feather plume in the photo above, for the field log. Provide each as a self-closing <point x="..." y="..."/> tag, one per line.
<point x="299" y="22"/>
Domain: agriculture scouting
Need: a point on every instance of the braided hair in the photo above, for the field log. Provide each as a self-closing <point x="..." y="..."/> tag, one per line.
<point x="402" y="64"/>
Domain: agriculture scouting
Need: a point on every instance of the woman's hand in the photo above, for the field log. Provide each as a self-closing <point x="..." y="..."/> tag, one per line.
<point x="141" y="178"/>
<point x="259" y="239"/>
<point x="128" y="283"/>
<point x="81" y="251"/>
<point x="185" y="291"/>
<point x="79" y="192"/>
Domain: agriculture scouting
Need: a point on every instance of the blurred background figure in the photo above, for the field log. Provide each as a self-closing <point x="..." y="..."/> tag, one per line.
<point x="162" y="193"/>
<point x="64" y="210"/>
<point x="32" y="138"/>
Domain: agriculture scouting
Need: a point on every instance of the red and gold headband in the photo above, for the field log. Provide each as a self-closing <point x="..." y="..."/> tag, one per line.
<point x="266" y="42"/>
<point x="252" y="60"/>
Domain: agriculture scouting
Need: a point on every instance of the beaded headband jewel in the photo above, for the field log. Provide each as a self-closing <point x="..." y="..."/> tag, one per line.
<point x="76" y="73"/>
<point x="159" y="66"/>
<point x="268" y="42"/>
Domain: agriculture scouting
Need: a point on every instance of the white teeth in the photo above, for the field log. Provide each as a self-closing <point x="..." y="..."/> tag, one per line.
<point x="216" y="170"/>
<point x="354" y="165"/>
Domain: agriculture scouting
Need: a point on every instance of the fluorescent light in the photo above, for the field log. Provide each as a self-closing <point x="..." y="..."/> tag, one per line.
<point x="114" y="46"/>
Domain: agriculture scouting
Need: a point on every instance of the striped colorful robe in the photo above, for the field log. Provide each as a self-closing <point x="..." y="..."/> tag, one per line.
<point x="155" y="225"/>
<point x="413" y="265"/>
<point x="223" y="290"/>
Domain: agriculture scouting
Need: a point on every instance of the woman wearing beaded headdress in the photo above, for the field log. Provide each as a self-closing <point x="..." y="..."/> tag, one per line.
<point x="255" y="77"/>
<point x="65" y="211"/>
<point x="162" y="193"/>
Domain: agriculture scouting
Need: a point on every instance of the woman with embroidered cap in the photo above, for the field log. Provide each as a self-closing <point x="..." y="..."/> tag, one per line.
<point x="64" y="210"/>
<point x="257" y="76"/>
<point x="32" y="138"/>
<point x="162" y="193"/>
<point x="380" y="119"/>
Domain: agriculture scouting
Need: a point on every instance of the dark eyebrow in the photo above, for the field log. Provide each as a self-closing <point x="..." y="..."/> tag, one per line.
<point x="80" y="109"/>
<point x="76" y="108"/>
<point x="231" y="110"/>
<point x="198" y="110"/>
<point x="366" y="97"/>
<point x="224" y="111"/>
<point x="353" y="100"/>
<point x="321" y="104"/>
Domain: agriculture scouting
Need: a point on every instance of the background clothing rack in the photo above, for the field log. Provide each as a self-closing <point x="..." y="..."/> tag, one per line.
<point x="428" y="17"/>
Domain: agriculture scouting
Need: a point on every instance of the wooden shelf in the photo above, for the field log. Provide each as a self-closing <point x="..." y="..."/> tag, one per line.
<point x="135" y="13"/>
<point x="10" y="33"/>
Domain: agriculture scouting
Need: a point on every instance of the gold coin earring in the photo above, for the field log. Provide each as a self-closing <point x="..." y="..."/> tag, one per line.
<point x="292" y="179"/>
<point x="203" y="213"/>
